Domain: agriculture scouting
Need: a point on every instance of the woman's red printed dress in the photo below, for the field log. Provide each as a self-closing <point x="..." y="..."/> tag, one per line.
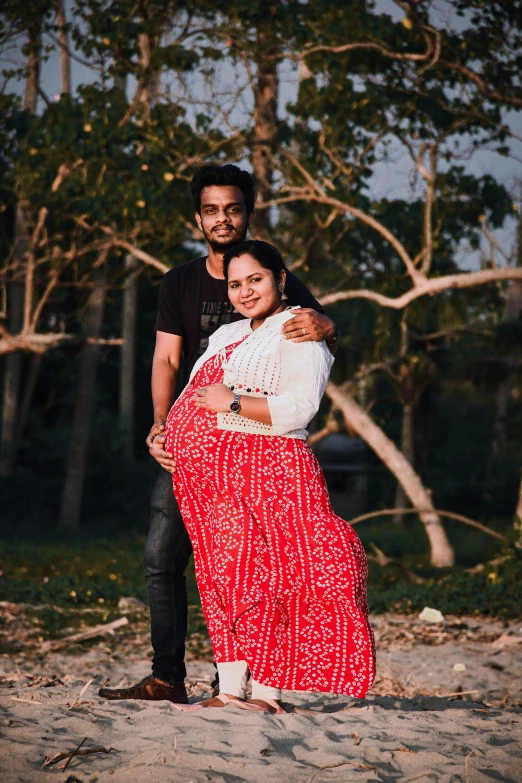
<point x="282" y="579"/>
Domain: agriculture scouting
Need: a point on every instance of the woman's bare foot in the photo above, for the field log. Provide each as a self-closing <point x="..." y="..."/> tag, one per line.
<point x="218" y="701"/>
<point x="269" y="705"/>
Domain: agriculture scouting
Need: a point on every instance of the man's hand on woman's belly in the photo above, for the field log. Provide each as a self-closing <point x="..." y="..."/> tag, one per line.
<point x="155" y="441"/>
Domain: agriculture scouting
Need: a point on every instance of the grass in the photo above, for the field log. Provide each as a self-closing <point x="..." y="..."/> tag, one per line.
<point x="78" y="583"/>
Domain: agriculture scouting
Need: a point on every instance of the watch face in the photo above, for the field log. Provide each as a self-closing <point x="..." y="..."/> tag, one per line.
<point x="235" y="407"/>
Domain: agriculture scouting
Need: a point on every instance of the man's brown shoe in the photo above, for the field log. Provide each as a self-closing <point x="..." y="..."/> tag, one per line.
<point x="148" y="689"/>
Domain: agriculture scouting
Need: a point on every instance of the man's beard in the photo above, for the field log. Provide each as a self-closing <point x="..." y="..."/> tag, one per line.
<point x="221" y="244"/>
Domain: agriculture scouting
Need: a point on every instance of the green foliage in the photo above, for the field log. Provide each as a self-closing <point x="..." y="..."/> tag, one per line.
<point x="95" y="573"/>
<point x="496" y="592"/>
<point x="82" y="573"/>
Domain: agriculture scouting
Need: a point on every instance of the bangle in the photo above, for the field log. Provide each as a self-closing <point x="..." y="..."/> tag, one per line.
<point x="333" y="339"/>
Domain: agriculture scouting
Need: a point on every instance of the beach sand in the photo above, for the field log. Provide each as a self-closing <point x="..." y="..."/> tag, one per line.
<point x="413" y="726"/>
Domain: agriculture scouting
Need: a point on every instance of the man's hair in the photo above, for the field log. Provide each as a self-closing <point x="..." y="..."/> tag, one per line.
<point x="228" y="174"/>
<point x="265" y="254"/>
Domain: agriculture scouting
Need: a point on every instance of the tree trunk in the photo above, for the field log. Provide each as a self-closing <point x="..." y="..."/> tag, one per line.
<point x="512" y="311"/>
<point x="33" y="70"/>
<point x="121" y="83"/>
<point x="128" y="354"/>
<point x="502" y="396"/>
<point x="442" y="554"/>
<point x="265" y="126"/>
<point x="65" y="60"/>
<point x="518" y="516"/>
<point x="514" y="294"/>
<point x="75" y="474"/>
<point x="12" y="377"/>
<point x="150" y="93"/>
<point x="35" y="363"/>
<point x="407" y="448"/>
<point x="407" y="416"/>
<point x="15" y="289"/>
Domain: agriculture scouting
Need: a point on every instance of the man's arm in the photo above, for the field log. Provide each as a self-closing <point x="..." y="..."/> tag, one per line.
<point x="311" y="324"/>
<point x="165" y="368"/>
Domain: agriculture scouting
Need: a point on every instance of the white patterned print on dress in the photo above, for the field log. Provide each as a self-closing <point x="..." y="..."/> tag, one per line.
<point x="282" y="578"/>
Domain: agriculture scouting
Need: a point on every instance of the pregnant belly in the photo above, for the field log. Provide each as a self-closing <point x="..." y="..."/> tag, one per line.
<point x="187" y="428"/>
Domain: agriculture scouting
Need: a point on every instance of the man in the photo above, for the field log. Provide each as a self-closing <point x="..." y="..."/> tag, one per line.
<point x="193" y="303"/>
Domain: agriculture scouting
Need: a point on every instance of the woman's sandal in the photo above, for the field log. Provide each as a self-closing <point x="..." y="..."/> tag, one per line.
<point x="268" y="705"/>
<point x="219" y="701"/>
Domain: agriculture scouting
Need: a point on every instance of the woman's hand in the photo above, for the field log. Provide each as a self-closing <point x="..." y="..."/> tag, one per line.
<point x="216" y="397"/>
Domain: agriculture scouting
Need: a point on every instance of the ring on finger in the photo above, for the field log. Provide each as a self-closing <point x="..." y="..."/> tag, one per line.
<point x="303" y="331"/>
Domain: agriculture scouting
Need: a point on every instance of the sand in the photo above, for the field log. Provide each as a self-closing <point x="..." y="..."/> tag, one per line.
<point x="409" y="728"/>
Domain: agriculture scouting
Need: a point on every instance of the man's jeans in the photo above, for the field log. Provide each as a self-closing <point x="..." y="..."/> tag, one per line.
<point x="167" y="552"/>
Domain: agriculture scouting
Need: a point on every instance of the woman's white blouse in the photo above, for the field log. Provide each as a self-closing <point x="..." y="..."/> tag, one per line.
<point x="292" y="376"/>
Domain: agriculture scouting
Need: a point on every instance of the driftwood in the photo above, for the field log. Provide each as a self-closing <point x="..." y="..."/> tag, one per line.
<point x="457" y="693"/>
<point x="73" y="754"/>
<point x="491" y="563"/>
<point x="60" y="756"/>
<point x="506" y="641"/>
<point x="89" y="633"/>
<point x="357" y="764"/>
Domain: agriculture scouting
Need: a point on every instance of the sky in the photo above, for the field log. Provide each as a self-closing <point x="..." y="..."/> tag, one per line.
<point x="391" y="179"/>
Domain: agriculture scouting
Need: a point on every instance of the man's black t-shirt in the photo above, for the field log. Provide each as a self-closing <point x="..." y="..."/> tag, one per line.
<point x="193" y="304"/>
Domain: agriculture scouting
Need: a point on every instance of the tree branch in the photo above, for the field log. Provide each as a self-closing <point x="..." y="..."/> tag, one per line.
<point x="322" y="198"/>
<point x="63" y="171"/>
<point x="141" y="255"/>
<point x="375" y="47"/>
<point x="427" y="287"/>
<point x="128" y="246"/>
<point x="447" y="514"/>
<point x="32" y="343"/>
<point x="486" y="91"/>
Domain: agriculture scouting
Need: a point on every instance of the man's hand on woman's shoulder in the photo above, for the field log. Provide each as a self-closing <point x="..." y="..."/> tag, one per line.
<point x="309" y="326"/>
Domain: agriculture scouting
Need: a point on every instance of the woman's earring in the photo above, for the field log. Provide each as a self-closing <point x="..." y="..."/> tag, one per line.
<point x="282" y="290"/>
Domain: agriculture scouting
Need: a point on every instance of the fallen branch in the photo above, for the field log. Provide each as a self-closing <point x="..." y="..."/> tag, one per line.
<point x="73" y="754"/>
<point x="504" y="640"/>
<point x="90" y="633"/>
<point x="457" y="693"/>
<point x="477" y="569"/>
<point x="60" y="756"/>
<point x="448" y="514"/>
<point x="383" y="560"/>
<point x="25" y="701"/>
<point x="357" y="764"/>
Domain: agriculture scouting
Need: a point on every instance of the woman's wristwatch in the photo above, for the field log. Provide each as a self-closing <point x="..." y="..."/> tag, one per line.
<point x="235" y="405"/>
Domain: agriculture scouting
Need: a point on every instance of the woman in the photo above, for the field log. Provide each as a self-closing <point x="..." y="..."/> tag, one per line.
<point x="282" y="579"/>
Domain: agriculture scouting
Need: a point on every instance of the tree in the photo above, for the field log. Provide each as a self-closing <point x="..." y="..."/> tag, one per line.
<point x="31" y="26"/>
<point x="75" y="473"/>
<point x="404" y="93"/>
